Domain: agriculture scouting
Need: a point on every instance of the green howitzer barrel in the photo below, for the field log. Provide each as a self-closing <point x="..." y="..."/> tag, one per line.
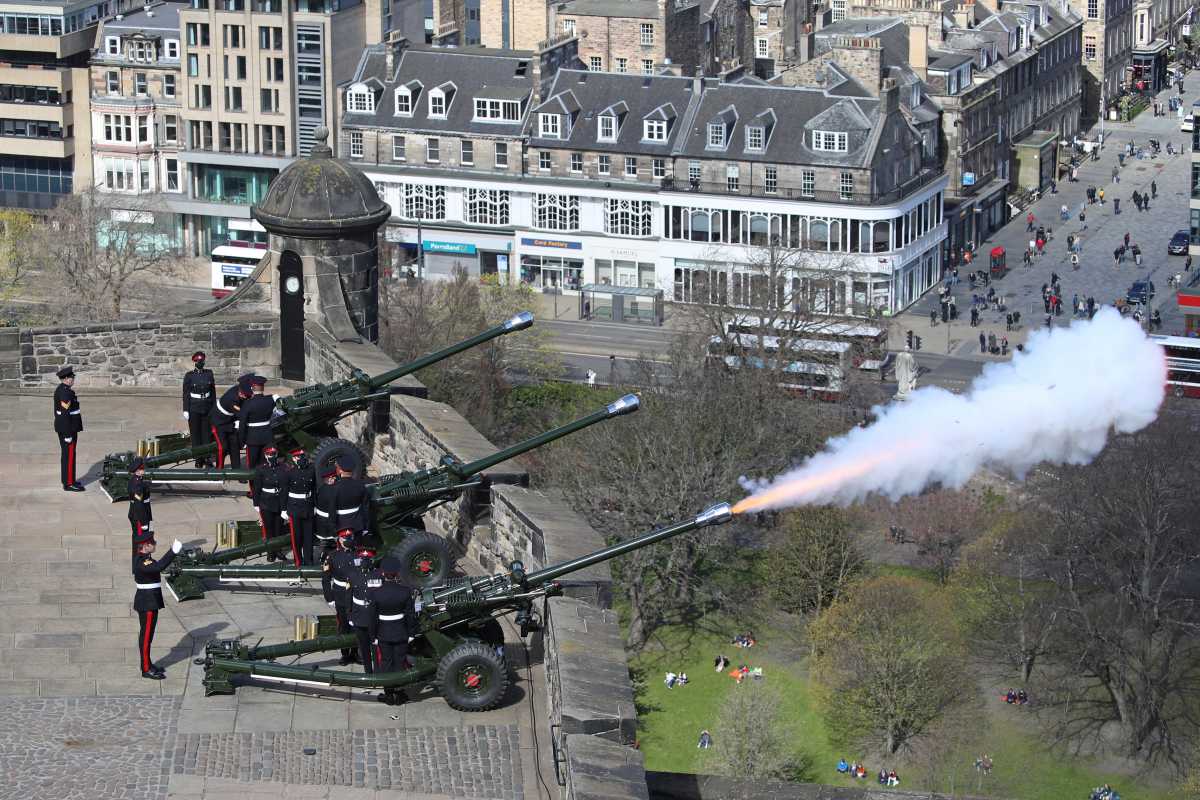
<point x="458" y="642"/>
<point x="399" y="498"/>
<point x="307" y="416"/>
<point x="115" y="480"/>
<point x="396" y="502"/>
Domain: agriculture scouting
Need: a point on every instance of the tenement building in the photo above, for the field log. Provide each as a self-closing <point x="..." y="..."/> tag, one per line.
<point x="563" y="177"/>
<point x="45" y="131"/>
<point x="1107" y="51"/>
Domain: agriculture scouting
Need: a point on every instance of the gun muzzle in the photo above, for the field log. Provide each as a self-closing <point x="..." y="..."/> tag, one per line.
<point x="714" y="515"/>
<point x="519" y="322"/>
<point x="625" y="405"/>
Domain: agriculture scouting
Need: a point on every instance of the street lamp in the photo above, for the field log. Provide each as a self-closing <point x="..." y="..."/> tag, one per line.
<point x="420" y="243"/>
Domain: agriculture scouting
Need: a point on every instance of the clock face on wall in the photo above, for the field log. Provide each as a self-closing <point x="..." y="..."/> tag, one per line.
<point x="291" y="285"/>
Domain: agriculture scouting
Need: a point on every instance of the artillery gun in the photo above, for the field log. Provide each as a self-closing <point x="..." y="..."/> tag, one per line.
<point x="397" y="504"/>
<point x="459" y="647"/>
<point x="306" y="419"/>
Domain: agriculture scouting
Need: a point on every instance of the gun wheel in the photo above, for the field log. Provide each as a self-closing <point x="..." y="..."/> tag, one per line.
<point x="472" y="677"/>
<point x="328" y="451"/>
<point x="426" y="558"/>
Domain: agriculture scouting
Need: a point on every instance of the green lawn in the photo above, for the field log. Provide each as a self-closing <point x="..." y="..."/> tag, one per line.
<point x="672" y="719"/>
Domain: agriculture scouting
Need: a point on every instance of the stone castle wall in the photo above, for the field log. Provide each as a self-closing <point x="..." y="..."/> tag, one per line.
<point x="144" y="353"/>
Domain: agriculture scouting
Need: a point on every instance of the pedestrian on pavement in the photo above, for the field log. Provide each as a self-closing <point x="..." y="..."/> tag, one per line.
<point x="1116" y="205"/>
<point x="1091" y="194"/>
<point x="1187" y="263"/>
<point x="1116" y="256"/>
<point x="1029" y="222"/>
<point x="1064" y="212"/>
<point x="1074" y="174"/>
<point x="1153" y="189"/>
<point x="1091" y="307"/>
<point x="982" y="342"/>
<point x="1033" y="245"/>
<point x="1116" y="175"/>
<point x="1083" y="219"/>
<point x="1004" y="346"/>
<point x="1074" y="261"/>
<point x="1008" y="322"/>
<point x="1137" y="254"/>
<point x="1127" y="238"/>
<point x="992" y="343"/>
<point x="933" y="318"/>
<point x="1137" y="200"/>
<point x="974" y="317"/>
<point x="1041" y="232"/>
<point x="1046" y="302"/>
<point x="1100" y="194"/>
<point x="1027" y="258"/>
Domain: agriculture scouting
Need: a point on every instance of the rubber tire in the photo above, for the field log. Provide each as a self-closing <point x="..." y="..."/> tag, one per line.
<point x="422" y="542"/>
<point x="472" y="657"/>
<point x="330" y="450"/>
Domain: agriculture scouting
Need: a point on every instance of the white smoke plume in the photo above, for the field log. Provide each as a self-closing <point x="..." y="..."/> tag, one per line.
<point x="1056" y="402"/>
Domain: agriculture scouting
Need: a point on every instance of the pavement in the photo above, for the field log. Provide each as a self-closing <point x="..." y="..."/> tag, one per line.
<point x="1097" y="276"/>
<point x="78" y="721"/>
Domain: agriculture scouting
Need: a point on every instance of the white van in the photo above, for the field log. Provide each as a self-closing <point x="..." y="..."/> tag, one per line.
<point x="1187" y="125"/>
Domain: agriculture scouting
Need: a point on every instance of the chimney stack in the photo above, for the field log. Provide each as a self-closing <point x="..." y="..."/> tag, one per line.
<point x="890" y="95"/>
<point x="918" y="50"/>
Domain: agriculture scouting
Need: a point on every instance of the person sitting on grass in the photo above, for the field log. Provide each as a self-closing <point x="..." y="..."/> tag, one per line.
<point x="1022" y="698"/>
<point x="842" y="766"/>
<point x="892" y="778"/>
<point x="705" y="740"/>
<point x="683" y="679"/>
<point x="720" y="663"/>
<point x="860" y="772"/>
<point x="671" y="679"/>
<point x="883" y="775"/>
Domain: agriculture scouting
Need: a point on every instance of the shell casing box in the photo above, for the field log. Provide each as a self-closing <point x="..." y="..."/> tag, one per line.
<point x="325" y="625"/>
<point x="237" y="532"/>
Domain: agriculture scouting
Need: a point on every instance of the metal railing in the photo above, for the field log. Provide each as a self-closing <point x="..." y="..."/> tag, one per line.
<point x="746" y="189"/>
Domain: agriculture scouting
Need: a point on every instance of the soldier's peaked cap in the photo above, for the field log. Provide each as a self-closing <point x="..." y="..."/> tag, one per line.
<point x="390" y="566"/>
<point x="136" y="464"/>
<point x="198" y="355"/>
<point x="258" y="380"/>
<point x="66" y="372"/>
<point x="145" y="537"/>
<point x="345" y="464"/>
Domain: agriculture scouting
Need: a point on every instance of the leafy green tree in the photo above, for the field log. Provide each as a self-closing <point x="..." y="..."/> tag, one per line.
<point x="814" y="561"/>
<point x="889" y="661"/>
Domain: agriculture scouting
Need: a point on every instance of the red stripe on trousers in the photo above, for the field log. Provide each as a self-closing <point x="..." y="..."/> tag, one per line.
<point x="146" y="641"/>
<point x="262" y="524"/>
<point x="295" y="550"/>
<point x="379" y="656"/>
<point x="71" y="464"/>
<point x="220" y="449"/>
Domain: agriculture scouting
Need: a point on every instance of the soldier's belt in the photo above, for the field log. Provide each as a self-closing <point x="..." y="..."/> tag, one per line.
<point x="321" y="513"/>
<point x="298" y="495"/>
<point x="359" y="602"/>
<point x="348" y="510"/>
<point x="342" y="584"/>
<point x="257" y="424"/>
<point x="390" y="617"/>
<point x="269" y="490"/>
<point x="195" y="396"/>
<point x="148" y="585"/>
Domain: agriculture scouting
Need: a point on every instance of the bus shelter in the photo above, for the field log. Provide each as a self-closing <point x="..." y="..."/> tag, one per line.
<point x="601" y="301"/>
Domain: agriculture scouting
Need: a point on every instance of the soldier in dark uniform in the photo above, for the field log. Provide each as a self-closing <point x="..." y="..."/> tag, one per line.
<point x="225" y="423"/>
<point x="298" y="510"/>
<point x="254" y="421"/>
<point x="148" y="599"/>
<point x="266" y="488"/>
<point x="393" y="623"/>
<point x="68" y="422"/>
<point x="353" y="508"/>
<point x="325" y="496"/>
<point x="199" y="396"/>
<point x="141" y="518"/>
<point x="337" y="591"/>
<point x="364" y="578"/>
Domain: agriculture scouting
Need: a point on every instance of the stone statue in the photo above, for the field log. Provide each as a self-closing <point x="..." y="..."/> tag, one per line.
<point x="906" y="375"/>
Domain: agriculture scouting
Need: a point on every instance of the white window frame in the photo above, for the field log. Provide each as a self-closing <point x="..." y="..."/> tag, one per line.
<point x="556" y="212"/>
<point x="170" y="86"/>
<point x="808" y="183"/>
<point x="466" y="152"/>
<point x="568" y="27"/>
<point x="622" y="65"/>
<point x="628" y="217"/>
<point x="545" y="162"/>
<point x="646" y="34"/>
<point x="439" y="97"/>
<point x="173" y="49"/>
<point x="658" y="167"/>
<point x="603" y="164"/>
<point x="771" y="179"/>
<point x="654" y="130"/>
<point x="501" y="161"/>
<point x="576" y="163"/>
<point x="360" y="100"/>
<point x="403" y="93"/>
<point x="595" y="63"/>
<point x="357" y="147"/>
<point x="846" y="186"/>
<point x="756" y="138"/>
<point x="433" y="150"/>
<point x="112" y="45"/>
<point x="486" y="206"/>
<point x="830" y="141"/>
<point x="606" y="128"/>
<point x="113" y="87"/>
<point x="167" y="162"/>
<point x="716" y="135"/>
<point x="399" y="147"/>
<point x="762" y="47"/>
<point x="550" y="126"/>
<point x="631" y="161"/>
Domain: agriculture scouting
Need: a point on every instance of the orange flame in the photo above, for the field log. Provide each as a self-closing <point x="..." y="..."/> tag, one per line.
<point x="787" y="493"/>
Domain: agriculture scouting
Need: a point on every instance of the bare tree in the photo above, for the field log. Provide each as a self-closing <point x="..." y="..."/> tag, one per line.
<point x="815" y="560"/>
<point x="699" y="431"/>
<point x="430" y="315"/>
<point x="943" y="753"/>
<point x="1011" y="608"/>
<point x="751" y="740"/>
<point x="940" y="521"/>
<point x="98" y="248"/>
<point x="890" y="661"/>
<point x="1121" y="546"/>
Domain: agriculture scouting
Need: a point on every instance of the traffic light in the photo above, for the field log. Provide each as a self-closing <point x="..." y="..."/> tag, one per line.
<point x="909" y="336"/>
<point x="918" y="347"/>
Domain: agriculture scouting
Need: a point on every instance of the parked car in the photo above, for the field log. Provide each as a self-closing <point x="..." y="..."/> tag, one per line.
<point x="1178" y="245"/>
<point x="1141" y="292"/>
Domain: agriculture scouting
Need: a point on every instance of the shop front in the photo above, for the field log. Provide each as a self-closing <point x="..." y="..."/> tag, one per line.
<point x="444" y="251"/>
<point x="552" y="265"/>
<point x="1150" y="67"/>
<point x="1037" y="159"/>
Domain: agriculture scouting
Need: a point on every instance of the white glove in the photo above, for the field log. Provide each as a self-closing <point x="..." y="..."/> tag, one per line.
<point x="237" y="423"/>
<point x="176" y="546"/>
<point x="283" y="515"/>
<point x="376" y="641"/>
<point x="256" y="511"/>
<point x="330" y="604"/>
<point x="411" y="638"/>
<point x="186" y="415"/>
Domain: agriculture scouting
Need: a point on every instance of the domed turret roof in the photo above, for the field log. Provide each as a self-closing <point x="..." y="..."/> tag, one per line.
<point x="320" y="197"/>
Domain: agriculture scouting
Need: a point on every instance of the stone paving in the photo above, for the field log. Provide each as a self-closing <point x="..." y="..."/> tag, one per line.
<point x="1097" y="276"/>
<point x="72" y="702"/>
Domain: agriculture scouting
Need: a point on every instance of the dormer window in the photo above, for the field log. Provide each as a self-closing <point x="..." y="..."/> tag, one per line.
<point x="173" y="49"/>
<point x="437" y="104"/>
<point x="360" y="99"/>
<point x="654" y="130"/>
<point x="403" y="102"/>
<point x="716" y="134"/>
<point x="607" y="131"/>
<point x="550" y="126"/>
<point x="830" y="142"/>
<point x="916" y="95"/>
<point x="112" y="46"/>
<point x="755" y="137"/>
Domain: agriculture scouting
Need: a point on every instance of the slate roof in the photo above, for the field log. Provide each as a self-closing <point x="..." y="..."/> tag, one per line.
<point x="631" y="97"/>
<point x="475" y="72"/>
<point x="637" y="9"/>
<point x="164" y="22"/>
